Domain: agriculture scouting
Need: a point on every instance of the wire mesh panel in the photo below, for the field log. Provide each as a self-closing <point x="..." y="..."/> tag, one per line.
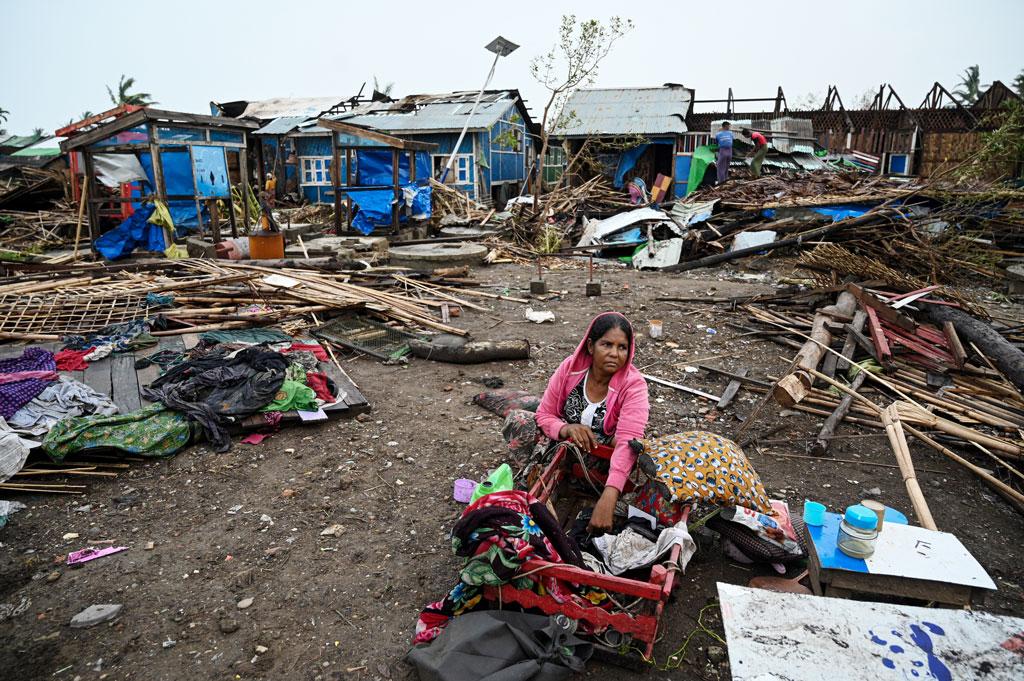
<point x="366" y="335"/>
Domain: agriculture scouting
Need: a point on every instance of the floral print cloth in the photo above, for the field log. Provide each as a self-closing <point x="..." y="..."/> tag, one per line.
<point x="151" y="431"/>
<point x="698" y="465"/>
<point x="16" y="394"/>
<point x="496" y="535"/>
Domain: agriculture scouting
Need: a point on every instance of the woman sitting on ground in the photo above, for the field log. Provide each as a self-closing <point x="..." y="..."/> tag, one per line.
<point x="597" y="397"/>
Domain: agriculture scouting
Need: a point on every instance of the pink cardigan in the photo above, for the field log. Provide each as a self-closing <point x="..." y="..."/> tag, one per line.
<point x="627" y="406"/>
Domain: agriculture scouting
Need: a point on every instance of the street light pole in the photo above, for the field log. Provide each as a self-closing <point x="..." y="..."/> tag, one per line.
<point x="501" y="48"/>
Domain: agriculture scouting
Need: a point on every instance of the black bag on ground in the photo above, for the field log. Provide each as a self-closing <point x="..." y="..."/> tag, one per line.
<point x="502" y="645"/>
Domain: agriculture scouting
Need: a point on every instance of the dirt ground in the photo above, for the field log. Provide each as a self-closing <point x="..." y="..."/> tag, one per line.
<point x="344" y="607"/>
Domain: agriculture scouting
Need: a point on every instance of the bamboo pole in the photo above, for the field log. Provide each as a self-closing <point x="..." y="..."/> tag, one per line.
<point x="894" y="429"/>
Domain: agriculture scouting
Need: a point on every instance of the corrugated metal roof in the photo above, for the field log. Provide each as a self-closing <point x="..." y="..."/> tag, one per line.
<point x="289" y="106"/>
<point x="431" y="113"/>
<point x="48" y="146"/>
<point x="281" y="126"/>
<point x="625" y="111"/>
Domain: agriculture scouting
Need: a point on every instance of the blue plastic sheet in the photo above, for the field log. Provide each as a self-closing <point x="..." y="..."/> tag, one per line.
<point x="837" y="212"/>
<point x="375" y="206"/>
<point x="135" y="232"/>
<point x="627" y="161"/>
<point x="373" y="168"/>
<point x="178" y="180"/>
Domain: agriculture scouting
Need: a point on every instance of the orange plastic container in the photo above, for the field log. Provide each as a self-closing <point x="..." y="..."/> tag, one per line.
<point x="266" y="246"/>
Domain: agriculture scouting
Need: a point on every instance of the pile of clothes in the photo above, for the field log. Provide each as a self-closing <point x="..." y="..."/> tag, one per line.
<point x="229" y="376"/>
<point x="33" y="399"/>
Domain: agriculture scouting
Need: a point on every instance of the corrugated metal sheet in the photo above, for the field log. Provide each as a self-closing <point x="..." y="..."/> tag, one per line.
<point x="431" y="113"/>
<point x="625" y="111"/>
<point x="281" y="126"/>
<point x="289" y="106"/>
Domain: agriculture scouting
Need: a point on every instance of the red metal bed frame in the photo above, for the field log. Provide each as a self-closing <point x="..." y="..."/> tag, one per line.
<point x="655" y="592"/>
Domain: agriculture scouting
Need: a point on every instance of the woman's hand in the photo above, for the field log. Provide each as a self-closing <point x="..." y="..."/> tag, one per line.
<point x="580" y="435"/>
<point x="603" y="515"/>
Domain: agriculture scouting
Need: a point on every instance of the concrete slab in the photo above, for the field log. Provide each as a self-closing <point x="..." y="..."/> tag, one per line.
<point x="430" y="256"/>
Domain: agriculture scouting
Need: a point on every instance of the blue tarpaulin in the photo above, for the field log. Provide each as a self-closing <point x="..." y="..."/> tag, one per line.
<point x="627" y="161"/>
<point x="375" y="206"/>
<point x="177" y="180"/>
<point x="135" y="232"/>
<point x="373" y="168"/>
<point x="837" y="212"/>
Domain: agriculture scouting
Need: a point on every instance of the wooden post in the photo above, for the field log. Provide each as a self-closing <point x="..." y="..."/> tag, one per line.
<point x="231" y="207"/>
<point x="348" y="183"/>
<point x="83" y="201"/>
<point x="94" y="217"/>
<point x="336" y="180"/>
<point x="195" y="191"/>
<point x="211" y="206"/>
<point x="398" y="190"/>
<point x="261" y="169"/>
<point x="243" y="167"/>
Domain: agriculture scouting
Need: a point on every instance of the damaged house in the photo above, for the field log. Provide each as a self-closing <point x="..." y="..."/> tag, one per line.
<point x="492" y="161"/>
<point x="630" y="132"/>
<point x="288" y="142"/>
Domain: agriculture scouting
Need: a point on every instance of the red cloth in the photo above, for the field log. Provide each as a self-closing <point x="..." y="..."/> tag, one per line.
<point x="72" y="360"/>
<point x="317" y="350"/>
<point x="758" y="139"/>
<point x="318" y="382"/>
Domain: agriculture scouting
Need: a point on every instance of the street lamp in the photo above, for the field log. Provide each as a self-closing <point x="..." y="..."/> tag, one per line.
<point x="501" y="48"/>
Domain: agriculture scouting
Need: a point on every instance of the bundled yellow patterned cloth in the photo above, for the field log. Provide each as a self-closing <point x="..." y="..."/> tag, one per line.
<point x="701" y="466"/>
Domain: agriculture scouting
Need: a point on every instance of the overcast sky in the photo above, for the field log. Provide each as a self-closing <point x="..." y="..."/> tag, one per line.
<point x="57" y="56"/>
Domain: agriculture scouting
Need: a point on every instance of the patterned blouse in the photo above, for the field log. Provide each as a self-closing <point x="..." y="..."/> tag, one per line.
<point x="576" y="403"/>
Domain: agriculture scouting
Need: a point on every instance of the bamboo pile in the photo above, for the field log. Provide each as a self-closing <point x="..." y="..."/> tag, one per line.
<point x="192" y="296"/>
<point x="955" y="401"/>
<point x="446" y="200"/>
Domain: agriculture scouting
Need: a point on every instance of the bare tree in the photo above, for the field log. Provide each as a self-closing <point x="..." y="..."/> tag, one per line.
<point x="808" y="101"/>
<point x="572" y="62"/>
<point x="383" y="88"/>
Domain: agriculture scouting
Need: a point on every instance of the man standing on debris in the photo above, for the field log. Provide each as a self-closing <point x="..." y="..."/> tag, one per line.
<point x="724" y="140"/>
<point x="760" y="149"/>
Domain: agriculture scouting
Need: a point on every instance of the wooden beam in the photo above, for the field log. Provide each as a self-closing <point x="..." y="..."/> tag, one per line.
<point x="376" y="136"/>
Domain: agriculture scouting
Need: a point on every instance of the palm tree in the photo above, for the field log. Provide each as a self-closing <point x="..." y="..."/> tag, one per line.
<point x="125" y="97"/>
<point x="38" y="132"/>
<point x="1018" y="83"/>
<point x="4" y="113"/>
<point x="970" y="86"/>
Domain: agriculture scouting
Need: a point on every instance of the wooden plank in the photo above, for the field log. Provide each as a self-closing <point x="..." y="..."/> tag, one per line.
<point x="955" y="346"/>
<point x="97" y="376"/>
<point x="878" y="337"/>
<point x="740" y="376"/>
<point x="146" y="376"/>
<point x="125" y="383"/>
<point x="730" y="390"/>
<point x="355" y="402"/>
<point x="883" y="311"/>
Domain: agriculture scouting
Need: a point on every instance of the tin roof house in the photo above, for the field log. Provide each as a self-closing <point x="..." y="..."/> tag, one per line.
<point x="629" y="132"/>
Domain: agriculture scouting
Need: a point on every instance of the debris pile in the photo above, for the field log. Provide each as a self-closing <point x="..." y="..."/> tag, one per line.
<point x="191" y="296"/>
